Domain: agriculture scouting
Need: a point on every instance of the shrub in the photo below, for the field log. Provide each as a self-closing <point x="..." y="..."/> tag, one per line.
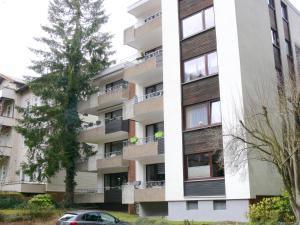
<point x="41" y="206"/>
<point x="11" y="200"/>
<point x="270" y="211"/>
<point x="44" y="201"/>
<point x="150" y="221"/>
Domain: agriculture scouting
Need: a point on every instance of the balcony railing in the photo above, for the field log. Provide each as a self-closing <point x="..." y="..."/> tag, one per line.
<point x="147" y="184"/>
<point x="114" y="89"/>
<point x="109" y="155"/>
<point x="148" y="19"/>
<point x="142" y="141"/>
<point x="116" y="124"/>
<point x="158" y="54"/>
<point x="144" y="98"/>
<point x="91" y="125"/>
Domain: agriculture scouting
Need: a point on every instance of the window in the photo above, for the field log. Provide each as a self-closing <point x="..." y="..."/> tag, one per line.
<point x="198" y="22"/>
<point x="271" y="3"/>
<point x="204" y="165"/>
<point x="154" y="128"/>
<point x="192" y="25"/>
<point x="113" y="148"/>
<point x="275" y="39"/>
<point x="114" y="85"/>
<point x="191" y="205"/>
<point x="198" y="166"/>
<point x="154" y="88"/>
<point x="209" y="18"/>
<point x="92" y="216"/>
<point x="284" y="11"/>
<point x="201" y="66"/>
<point x="155" y="172"/>
<point x="113" y="115"/>
<point x="114" y="180"/>
<point x="108" y="218"/>
<point x="212" y="61"/>
<point x="219" y="205"/>
<point x="288" y="47"/>
<point x="203" y="114"/>
<point x="196" y="116"/>
<point x="216" y="112"/>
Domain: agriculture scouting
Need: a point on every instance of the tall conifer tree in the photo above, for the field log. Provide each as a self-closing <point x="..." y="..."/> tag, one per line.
<point x="75" y="50"/>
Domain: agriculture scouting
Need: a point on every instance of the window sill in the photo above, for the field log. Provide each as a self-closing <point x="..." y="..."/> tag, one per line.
<point x="200" y="78"/>
<point x="202" y="128"/>
<point x="204" y="179"/>
<point x="196" y="34"/>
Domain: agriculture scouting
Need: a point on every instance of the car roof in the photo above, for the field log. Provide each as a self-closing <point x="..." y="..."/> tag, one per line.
<point x="80" y="212"/>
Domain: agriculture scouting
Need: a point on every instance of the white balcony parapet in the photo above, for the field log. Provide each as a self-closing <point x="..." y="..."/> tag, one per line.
<point x="148" y="19"/>
<point x="109" y="155"/>
<point x="158" y="54"/>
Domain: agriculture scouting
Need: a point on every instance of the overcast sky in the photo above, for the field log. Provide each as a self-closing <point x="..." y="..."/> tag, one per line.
<point x="20" y="21"/>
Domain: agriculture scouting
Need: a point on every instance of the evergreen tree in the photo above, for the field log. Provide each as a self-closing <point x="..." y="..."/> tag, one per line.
<point x="75" y="50"/>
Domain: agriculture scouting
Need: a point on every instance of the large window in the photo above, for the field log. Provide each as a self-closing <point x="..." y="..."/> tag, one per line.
<point x="154" y="128"/>
<point x="113" y="115"/>
<point x="204" y="114"/>
<point x="204" y="165"/>
<point x="155" y="172"/>
<point x="198" y="22"/>
<point x="115" y="180"/>
<point x="154" y="88"/>
<point x="114" y="85"/>
<point x="275" y="38"/>
<point x="284" y="11"/>
<point x="201" y="66"/>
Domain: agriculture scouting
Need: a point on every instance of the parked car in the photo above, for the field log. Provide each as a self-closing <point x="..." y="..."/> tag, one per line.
<point x="89" y="218"/>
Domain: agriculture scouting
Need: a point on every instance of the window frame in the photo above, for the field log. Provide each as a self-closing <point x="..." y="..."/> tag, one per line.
<point x="211" y="177"/>
<point x="209" y="107"/>
<point x="203" y="23"/>
<point x="206" y="66"/>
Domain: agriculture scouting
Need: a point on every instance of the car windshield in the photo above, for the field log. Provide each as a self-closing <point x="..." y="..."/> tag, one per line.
<point x="68" y="217"/>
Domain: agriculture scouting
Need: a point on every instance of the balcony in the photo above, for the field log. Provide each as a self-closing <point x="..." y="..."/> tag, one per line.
<point x="5" y="150"/>
<point x="103" y="99"/>
<point x="88" y="165"/>
<point x="113" y="130"/>
<point x="146" y="109"/>
<point x="7" y="121"/>
<point x="84" y="196"/>
<point x="112" y="161"/>
<point x="145" y="35"/>
<point x="24" y="187"/>
<point x="8" y="93"/>
<point x="148" y="150"/>
<point x="146" y="70"/>
<point x="142" y="8"/>
<point x="151" y="191"/>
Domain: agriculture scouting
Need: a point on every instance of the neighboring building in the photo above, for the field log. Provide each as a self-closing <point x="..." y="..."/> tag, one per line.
<point x="161" y="119"/>
<point x="13" y="93"/>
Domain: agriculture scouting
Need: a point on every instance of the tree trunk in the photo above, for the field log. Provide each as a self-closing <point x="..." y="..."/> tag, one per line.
<point x="70" y="187"/>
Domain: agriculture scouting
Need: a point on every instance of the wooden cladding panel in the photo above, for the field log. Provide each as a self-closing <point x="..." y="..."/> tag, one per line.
<point x="205" y="140"/>
<point x="199" y="44"/>
<point x="201" y="91"/>
<point x="205" y="188"/>
<point x="188" y="7"/>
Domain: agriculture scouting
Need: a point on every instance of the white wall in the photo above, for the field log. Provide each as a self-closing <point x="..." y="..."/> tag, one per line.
<point x="172" y="102"/>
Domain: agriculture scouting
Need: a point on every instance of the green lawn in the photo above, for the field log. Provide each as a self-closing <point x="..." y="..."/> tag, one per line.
<point x="121" y="215"/>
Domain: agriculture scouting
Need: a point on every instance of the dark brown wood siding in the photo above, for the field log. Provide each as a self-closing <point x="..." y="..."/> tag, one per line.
<point x="201" y="91"/>
<point x="199" y="44"/>
<point x="205" y="188"/>
<point x="205" y="140"/>
<point x="188" y="7"/>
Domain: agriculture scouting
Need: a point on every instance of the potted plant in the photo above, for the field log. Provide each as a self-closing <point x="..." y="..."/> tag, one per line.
<point x="159" y="134"/>
<point x="134" y="140"/>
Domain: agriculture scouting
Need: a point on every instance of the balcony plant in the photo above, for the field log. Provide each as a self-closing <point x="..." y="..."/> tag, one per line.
<point x="159" y="135"/>
<point x="134" y="140"/>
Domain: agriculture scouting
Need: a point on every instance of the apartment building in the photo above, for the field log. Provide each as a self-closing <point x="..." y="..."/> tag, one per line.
<point x="161" y="121"/>
<point x="13" y="93"/>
